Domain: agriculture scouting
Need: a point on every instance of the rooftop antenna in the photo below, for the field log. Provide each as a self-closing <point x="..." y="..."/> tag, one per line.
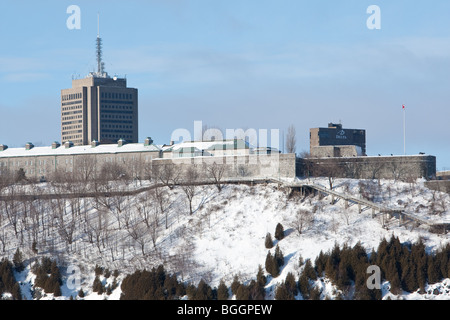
<point x="100" y="64"/>
<point x="98" y="25"/>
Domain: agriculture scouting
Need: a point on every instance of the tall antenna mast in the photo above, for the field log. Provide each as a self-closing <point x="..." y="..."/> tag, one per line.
<point x="98" y="25"/>
<point x="100" y="64"/>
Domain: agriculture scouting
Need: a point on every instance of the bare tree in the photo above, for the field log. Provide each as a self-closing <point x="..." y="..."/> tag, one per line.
<point x="11" y="208"/>
<point x="190" y="185"/>
<point x="117" y="204"/>
<point x="144" y="208"/>
<point x="98" y="229"/>
<point x="65" y="223"/>
<point x="161" y="197"/>
<point x="215" y="172"/>
<point x="352" y="169"/>
<point x="138" y="231"/>
<point x="136" y="169"/>
<point x="6" y="177"/>
<point x="331" y="170"/>
<point x="291" y="140"/>
<point x="375" y="169"/>
<point x="302" y="220"/>
<point x="85" y="168"/>
<point x="167" y="173"/>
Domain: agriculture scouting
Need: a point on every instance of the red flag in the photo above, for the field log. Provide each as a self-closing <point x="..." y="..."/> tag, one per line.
<point x="403" y="106"/>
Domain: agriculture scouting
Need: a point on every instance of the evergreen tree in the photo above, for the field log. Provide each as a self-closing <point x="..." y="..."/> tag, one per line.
<point x="243" y="293"/>
<point x="268" y="242"/>
<point x="279" y="232"/>
<point x="272" y="263"/>
<point x="320" y="263"/>
<point x="81" y="293"/>
<point x="260" y="277"/>
<point x="97" y="285"/>
<point x="330" y="269"/>
<point x="269" y="262"/>
<point x="15" y="292"/>
<point x="290" y="283"/>
<point x="309" y="270"/>
<point x="443" y="258"/>
<point x="432" y="271"/>
<point x="98" y="270"/>
<point x="303" y="285"/>
<point x="18" y="261"/>
<point x="20" y="175"/>
<point x="203" y="292"/>
<point x="362" y="292"/>
<point x="301" y="261"/>
<point x="56" y="289"/>
<point x="314" y="294"/>
<point x="419" y="258"/>
<point x="191" y="291"/>
<point x="222" y="291"/>
<point x="395" y="283"/>
<point x="236" y="283"/>
<point x="256" y="290"/>
<point x="55" y="273"/>
<point x="408" y="281"/>
<point x="373" y="257"/>
<point x="279" y="257"/>
<point x="34" y="247"/>
<point x="282" y="293"/>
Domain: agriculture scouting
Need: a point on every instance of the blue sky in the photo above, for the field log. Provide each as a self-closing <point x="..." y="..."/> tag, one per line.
<point x="238" y="64"/>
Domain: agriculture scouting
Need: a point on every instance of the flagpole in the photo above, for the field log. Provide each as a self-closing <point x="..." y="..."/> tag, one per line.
<point x="404" y="130"/>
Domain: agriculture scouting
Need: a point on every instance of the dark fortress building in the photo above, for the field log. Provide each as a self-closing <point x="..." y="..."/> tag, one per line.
<point x="338" y="137"/>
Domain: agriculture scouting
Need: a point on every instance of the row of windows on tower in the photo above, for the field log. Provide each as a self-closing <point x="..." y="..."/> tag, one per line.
<point x="65" y="128"/>
<point x="116" y="136"/>
<point x="116" y="95"/>
<point x="114" y="116"/>
<point x="72" y="107"/>
<point x="71" y="96"/>
<point x="66" y="113"/>
<point x="72" y="137"/>
<point x="72" y="117"/>
<point x="109" y="106"/>
<point x="117" y="126"/>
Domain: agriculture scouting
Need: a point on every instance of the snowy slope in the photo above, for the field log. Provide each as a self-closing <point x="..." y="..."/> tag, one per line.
<point x="225" y="235"/>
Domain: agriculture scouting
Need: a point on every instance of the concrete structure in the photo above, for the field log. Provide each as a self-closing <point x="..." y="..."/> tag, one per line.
<point x="250" y="166"/>
<point x="373" y="167"/>
<point x="438" y="185"/>
<point x="335" y="135"/>
<point x="235" y="157"/>
<point x="43" y="162"/>
<point x="335" y="151"/>
<point x="235" y="147"/>
<point x="99" y="108"/>
<point x="441" y="175"/>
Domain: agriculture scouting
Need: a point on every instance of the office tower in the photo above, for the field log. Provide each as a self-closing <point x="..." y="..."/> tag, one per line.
<point x="99" y="108"/>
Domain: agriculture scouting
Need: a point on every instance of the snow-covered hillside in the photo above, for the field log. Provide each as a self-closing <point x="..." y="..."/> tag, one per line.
<point x="223" y="237"/>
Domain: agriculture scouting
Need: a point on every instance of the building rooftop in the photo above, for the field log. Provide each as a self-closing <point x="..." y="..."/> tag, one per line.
<point x="85" y="149"/>
<point x="230" y="144"/>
